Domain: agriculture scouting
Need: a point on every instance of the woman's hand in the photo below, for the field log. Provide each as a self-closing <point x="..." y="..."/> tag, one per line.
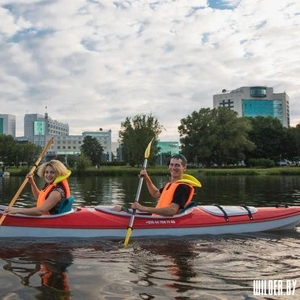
<point x="10" y="211"/>
<point x="30" y="178"/>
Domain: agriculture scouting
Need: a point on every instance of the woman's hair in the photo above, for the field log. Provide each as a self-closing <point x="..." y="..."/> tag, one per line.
<point x="59" y="168"/>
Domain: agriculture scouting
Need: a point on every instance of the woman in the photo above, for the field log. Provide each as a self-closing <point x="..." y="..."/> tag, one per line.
<point x="55" y="190"/>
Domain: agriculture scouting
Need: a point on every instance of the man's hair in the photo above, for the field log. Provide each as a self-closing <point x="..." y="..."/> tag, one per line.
<point x="180" y="156"/>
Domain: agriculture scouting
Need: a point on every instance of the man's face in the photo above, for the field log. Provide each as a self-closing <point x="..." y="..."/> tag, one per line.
<point x="176" y="168"/>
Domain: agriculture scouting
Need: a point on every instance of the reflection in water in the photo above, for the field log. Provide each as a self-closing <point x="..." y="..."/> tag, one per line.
<point x="29" y="260"/>
<point x="230" y="190"/>
<point x="215" y="267"/>
<point x="250" y="190"/>
<point x="171" y="261"/>
<point x="208" y="267"/>
<point x="211" y="268"/>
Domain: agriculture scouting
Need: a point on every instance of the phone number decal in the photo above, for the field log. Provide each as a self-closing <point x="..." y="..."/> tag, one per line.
<point x="164" y="222"/>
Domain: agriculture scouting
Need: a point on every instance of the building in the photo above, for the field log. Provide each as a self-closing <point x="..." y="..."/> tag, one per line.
<point x="8" y="125"/>
<point x="115" y="150"/>
<point x="39" y="129"/>
<point x="104" y="138"/>
<point x="166" y="150"/>
<point x="67" y="145"/>
<point x="255" y="101"/>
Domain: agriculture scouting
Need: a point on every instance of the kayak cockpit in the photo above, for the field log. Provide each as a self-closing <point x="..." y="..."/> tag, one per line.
<point x="3" y="208"/>
<point x="139" y="214"/>
<point x="103" y="209"/>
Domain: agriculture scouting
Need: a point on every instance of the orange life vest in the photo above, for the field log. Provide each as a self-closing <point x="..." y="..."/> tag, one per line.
<point x="43" y="195"/>
<point x="168" y="193"/>
<point x="55" y="280"/>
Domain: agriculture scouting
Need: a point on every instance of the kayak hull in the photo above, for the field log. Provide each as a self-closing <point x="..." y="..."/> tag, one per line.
<point x="101" y="221"/>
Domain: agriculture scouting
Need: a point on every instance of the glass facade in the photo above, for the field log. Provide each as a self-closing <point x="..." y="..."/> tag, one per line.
<point x="258" y="91"/>
<point x="166" y="150"/>
<point x="278" y="110"/>
<point x="265" y="108"/>
<point x="1" y="126"/>
<point x="39" y="127"/>
<point x="168" y="147"/>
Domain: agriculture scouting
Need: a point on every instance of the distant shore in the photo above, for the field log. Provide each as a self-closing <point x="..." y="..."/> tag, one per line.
<point x="163" y="170"/>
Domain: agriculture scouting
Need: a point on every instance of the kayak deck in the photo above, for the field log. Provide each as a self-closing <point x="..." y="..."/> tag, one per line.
<point x="101" y="221"/>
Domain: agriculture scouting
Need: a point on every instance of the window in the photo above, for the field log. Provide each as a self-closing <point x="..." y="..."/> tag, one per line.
<point x="258" y="91"/>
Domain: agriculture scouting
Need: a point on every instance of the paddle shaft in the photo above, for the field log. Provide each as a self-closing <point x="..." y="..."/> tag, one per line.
<point x="137" y="196"/>
<point x="14" y="199"/>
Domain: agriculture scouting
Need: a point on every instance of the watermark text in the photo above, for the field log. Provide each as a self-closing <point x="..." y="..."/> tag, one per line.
<point x="274" y="287"/>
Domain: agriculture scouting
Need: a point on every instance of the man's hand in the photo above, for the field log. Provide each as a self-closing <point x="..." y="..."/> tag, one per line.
<point x="137" y="206"/>
<point x="144" y="174"/>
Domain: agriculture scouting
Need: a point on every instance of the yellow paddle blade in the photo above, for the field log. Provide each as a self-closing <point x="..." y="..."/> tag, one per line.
<point x="147" y="151"/>
<point x="192" y="180"/>
<point x="129" y="231"/>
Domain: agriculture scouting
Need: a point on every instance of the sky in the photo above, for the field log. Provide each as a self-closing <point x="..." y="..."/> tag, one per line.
<point x="93" y="63"/>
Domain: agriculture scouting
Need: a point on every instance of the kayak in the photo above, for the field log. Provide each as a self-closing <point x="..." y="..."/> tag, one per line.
<point x="4" y="174"/>
<point x="102" y="221"/>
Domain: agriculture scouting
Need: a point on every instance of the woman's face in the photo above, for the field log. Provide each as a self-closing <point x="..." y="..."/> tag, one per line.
<point x="49" y="174"/>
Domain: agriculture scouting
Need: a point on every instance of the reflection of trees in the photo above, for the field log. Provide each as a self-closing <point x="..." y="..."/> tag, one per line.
<point x="49" y="264"/>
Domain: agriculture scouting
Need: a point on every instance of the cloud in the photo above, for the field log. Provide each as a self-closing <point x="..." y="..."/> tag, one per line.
<point x="93" y="63"/>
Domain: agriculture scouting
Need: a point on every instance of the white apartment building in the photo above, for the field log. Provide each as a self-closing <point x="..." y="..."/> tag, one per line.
<point x="39" y="129"/>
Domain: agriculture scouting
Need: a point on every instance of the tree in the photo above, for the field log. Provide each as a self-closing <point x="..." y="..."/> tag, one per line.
<point x="8" y="149"/>
<point x="293" y="143"/>
<point x="92" y="149"/>
<point x="135" y="135"/>
<point x="28" y="153"/>
<point x="82" y="163"/>
<point x="13" y="152"/>
<point x="215" y="136"/>
<point x="269" y="137"/>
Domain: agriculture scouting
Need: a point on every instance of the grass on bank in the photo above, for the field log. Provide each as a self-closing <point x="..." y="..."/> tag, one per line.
<point x="163" y="170"/>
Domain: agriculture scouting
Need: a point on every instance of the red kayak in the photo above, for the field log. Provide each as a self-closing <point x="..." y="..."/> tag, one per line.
<point x="101" y="221"/>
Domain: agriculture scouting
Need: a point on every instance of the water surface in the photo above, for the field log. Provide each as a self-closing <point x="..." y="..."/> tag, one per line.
<point x="206" y="267"/>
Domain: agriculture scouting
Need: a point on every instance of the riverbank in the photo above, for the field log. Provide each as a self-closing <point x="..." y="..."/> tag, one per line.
<point x="162" y="170"/>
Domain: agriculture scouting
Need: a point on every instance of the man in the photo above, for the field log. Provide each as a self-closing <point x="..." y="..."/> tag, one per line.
<point x="174" y="196"/>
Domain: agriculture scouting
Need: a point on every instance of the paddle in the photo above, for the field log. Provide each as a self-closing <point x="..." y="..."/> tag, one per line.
<point x="137" y="196"/>
<point x="12" y="202"/>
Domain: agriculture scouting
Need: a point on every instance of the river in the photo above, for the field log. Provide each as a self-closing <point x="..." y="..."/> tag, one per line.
<point x="247" y="266"/>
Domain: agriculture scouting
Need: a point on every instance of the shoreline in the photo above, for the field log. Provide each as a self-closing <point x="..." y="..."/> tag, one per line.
<point x="162" y="170"/>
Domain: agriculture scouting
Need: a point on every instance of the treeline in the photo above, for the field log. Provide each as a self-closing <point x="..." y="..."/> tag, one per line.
<point x="208" y="137"/>
<point x="216" y="137"/>
<point x="15" y="153"/>
<point x="219" y="137"/>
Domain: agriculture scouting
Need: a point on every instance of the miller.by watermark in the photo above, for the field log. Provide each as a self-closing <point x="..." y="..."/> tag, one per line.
<point x="274" y="287"/>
